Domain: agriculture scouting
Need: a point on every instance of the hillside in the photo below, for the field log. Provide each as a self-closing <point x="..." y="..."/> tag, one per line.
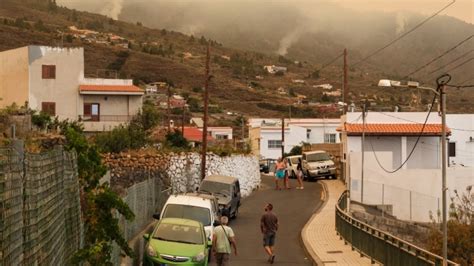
<point x="148" y="55"/>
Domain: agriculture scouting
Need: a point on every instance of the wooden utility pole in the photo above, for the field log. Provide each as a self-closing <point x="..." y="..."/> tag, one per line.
<point x="345" y="99"/>
<point x="168" y="111"/>
<point x="282" y="137"/>
<point x="204" y="129"/>
<point x="182" y="119"/>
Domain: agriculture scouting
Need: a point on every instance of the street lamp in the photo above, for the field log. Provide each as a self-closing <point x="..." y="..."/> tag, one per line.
<point x="440" y="91"/>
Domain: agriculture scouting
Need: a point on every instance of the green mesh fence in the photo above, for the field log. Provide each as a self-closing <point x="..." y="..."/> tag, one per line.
<point x="144" y="199"/>
<point x="43" y="227"/>
<point x="11" y="207"/>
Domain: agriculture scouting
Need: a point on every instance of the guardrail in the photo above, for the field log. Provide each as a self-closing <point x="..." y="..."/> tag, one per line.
<point x="379" y="246"/>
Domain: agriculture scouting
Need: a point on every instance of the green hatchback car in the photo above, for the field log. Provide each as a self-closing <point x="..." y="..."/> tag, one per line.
<point x="176" y="241"/>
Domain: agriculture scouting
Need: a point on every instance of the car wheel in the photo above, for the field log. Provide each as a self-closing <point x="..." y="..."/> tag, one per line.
<point x="236" y="211"/>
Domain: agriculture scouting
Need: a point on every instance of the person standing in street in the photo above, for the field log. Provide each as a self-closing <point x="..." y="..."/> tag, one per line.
<point x="269" y="227"/>
<point x="299" y="174"/>
<point x="279" y="173"/>
<point x="287" y="173"/>
<point x="222" y="241"/>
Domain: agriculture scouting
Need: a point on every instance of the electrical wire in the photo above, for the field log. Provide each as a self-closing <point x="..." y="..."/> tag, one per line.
<point x="436" y="70"/>
<point x="404" y="34"/>
<point x="414" y="146"/>
<point x="460" y="65"/>
<point x="408" y="120"/>
<point x="441" y="55"/>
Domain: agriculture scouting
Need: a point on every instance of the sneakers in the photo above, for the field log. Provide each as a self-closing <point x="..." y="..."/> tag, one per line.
<point x="299" y="187"/>
<point x="272" y="259"/>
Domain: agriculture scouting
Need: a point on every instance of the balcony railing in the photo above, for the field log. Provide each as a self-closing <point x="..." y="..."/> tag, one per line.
<point x="378" y="245"/>
<point x="106" y="118"/>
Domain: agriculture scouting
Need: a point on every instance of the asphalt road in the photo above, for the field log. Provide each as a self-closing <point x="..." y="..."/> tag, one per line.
<point x="293" y="208"/>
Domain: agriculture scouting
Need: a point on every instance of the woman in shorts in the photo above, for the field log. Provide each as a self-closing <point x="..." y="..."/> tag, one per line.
<point x="279" y="173"/>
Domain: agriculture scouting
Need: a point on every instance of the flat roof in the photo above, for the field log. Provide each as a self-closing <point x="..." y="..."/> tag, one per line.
<point x="110" y="89"/>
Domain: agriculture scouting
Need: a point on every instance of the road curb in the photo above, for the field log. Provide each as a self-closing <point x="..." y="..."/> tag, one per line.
<point x="304" y="238"/>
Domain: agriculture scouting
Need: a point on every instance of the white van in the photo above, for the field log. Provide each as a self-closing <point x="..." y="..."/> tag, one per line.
<point x="194" y="206"/>
<point x="292" y="165"/>
<point x="318" y="164"/>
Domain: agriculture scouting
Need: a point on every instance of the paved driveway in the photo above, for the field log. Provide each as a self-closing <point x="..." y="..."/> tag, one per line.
<point x="293" y="208"/>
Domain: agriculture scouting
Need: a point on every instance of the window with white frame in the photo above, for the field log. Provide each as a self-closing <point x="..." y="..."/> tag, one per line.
<point x="330" y="138"/>
<point x="308" y="133"/>
<point x="274" y="144"/>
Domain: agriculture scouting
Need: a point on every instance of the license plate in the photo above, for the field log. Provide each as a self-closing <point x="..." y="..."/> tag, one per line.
<point x="323" y="171"/>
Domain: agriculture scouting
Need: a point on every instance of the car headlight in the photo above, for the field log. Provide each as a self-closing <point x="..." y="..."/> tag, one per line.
<point x="199" y="257"/>
<point x="151" y="252"/>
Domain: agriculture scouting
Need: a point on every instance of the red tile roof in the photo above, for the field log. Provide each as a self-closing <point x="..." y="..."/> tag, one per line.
<point x="394" y="129"/>
<point x="110" y="88"/>
<point x="194" y="134"/>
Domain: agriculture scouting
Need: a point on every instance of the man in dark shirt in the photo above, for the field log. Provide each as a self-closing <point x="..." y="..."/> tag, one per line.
<point x="269" y="227"/>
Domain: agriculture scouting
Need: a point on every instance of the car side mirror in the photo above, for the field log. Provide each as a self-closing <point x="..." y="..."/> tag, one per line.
<point x="146" y="237"/>
<point x="156" y="216"/>
<point x="216" y="223"/>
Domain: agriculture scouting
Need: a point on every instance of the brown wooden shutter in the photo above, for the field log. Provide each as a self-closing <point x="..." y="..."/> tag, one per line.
<point x="48" y="108"/>
<point x="87" y="109"/>
<point x="48" y="71"/>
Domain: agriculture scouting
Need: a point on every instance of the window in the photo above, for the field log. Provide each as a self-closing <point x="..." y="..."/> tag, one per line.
<point x="274" y="144"/>
<point x="222" y="137"/>
<point x="308" y="133"/>
<point x="49" y="71"/>
<point x="92" y="111"/>
<point x="330" y="138"/>
<point x="452" y="149"/>
<point x="48" y="108"/>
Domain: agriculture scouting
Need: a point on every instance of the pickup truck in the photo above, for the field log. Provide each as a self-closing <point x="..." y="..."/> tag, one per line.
<point x="318" y="164"/>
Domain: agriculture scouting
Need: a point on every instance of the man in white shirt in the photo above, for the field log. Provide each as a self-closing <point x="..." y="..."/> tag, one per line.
<point x="222" y="241"/>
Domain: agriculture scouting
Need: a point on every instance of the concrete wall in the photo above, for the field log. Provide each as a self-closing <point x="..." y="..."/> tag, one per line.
<point x="14" y="77"/>
<point x="413" y="193"/>
<point x="64" y="89"/>
<point x="462" y="128"/>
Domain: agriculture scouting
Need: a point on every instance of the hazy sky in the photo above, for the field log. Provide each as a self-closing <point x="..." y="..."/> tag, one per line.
<point x="462" y="9"/>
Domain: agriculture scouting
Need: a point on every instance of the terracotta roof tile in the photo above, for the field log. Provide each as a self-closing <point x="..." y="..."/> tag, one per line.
<point x="394" y="129"/>
<point x="110" y="88"/>
<point x="194" y="134"/>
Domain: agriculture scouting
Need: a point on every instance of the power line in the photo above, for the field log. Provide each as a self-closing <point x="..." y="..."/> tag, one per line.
<point x="408" y="120"/>
<point x="404" y="34"/>
<point x="441" y="55"/>
<point x="414" y="146"/>
<point x="330" y="62"/>
<point x="436" y="70"/>
<point x="460" y="65"/>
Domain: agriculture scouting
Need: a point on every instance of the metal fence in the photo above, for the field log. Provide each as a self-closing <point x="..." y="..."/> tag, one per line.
<point x="144" y="199"/>
<point x="378" y="245"/>
<point x="40" y="208"/>
<point x="402" y="203"/>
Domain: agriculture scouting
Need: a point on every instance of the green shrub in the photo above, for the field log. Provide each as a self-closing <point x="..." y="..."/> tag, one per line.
<point x="177" y="140"/>
<point x="41" y="120"/>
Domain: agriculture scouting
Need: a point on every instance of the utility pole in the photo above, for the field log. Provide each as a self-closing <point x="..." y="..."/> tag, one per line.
<point x="168" y="111"/>
<point x="442" y="94"/>
<point x="364" y="114"/>
<point x="282" y="137"/>
<point x="182" y="120"/>
<point x="206" y="103"/>
<point x="290" y="110"/>
<point x="346" y="82"/>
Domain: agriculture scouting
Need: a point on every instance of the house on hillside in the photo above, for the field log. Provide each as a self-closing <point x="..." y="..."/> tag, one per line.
<point x="220" y="133"/>
<point x="323" y="86"/>
<point x="275" y="69"/>
<point x="194" y="136"/>
<point x="51" y="80"/>
<point x="266" y="134"/>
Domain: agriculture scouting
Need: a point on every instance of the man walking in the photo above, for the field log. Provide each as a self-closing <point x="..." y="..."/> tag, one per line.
<point x="269" y="227"/>
<point x="222" y="240"/>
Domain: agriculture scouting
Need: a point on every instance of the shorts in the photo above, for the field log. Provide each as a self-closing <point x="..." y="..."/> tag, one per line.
<point x="280" y="174"/>
<point x="269" y="240"/>
<point x="222" y="259"/>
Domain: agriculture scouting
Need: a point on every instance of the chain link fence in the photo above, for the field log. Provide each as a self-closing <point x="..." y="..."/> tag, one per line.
<point x="144" y="199"/>
<point x="40" y="208"/>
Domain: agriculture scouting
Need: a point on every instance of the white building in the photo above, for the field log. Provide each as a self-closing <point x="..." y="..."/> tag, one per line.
<point x="411" y="190"/>
<point x="266" y="134"/>
<point x="220" y="133"/>
<point x="52" y="80"/>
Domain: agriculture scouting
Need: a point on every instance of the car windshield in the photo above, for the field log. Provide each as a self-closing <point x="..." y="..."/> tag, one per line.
<point x="215" y="187"/>
<point x="317" y="157"/>
<point x="179" y="233"/>
<point x="294" y="160"/>
<point x="199" y="214"/>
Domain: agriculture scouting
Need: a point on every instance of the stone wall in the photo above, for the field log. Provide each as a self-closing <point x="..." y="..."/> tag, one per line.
<point x="180" y="171"/>
<point x="184" y="171"/>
